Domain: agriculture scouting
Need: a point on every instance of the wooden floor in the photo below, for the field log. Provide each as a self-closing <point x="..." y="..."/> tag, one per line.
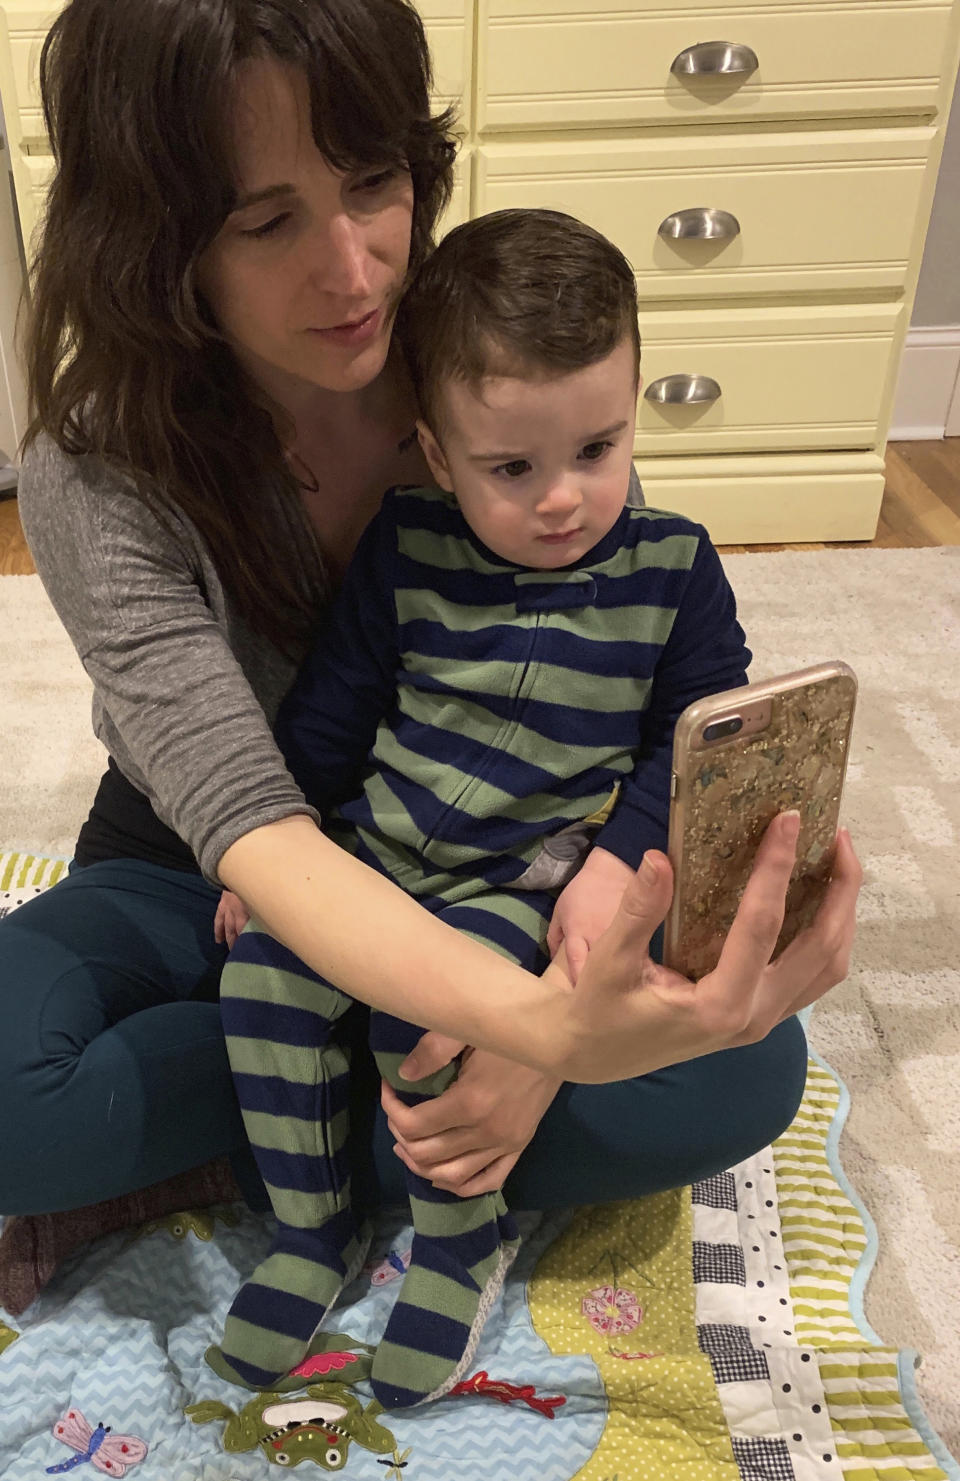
<point x="14" y="555"/>
<point x="921" y="506"/>
<point x="921" y="501"/>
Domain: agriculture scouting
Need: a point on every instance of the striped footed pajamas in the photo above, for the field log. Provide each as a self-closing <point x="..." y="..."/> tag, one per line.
<point x="291" y="1070"/>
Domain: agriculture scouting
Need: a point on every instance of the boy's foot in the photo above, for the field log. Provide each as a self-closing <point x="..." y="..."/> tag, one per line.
<point x="276" y="1314"/>
<point x="462" y="1250"/>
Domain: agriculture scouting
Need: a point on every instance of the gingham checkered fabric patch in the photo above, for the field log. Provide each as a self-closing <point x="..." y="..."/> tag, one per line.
<point x="719" y="1191"/>
<point x="733" y="1357"/>
<point x="763" y="1460"/>
<point x="720" y="1264"/>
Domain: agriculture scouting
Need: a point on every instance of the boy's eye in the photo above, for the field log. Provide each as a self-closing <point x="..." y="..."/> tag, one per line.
<point x="594" y="450"/>
<point x="514" y="469"/>
<point x="269" y="227"/>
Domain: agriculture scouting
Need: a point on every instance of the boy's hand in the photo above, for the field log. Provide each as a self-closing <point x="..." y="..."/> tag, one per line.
<point x="586" y="907"/>
<point x="231" y="917"/>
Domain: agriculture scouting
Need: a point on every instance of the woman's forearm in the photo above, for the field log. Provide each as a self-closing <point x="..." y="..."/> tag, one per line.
<point x="364" y="934"/>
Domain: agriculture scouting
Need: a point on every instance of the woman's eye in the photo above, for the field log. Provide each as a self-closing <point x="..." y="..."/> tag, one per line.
<point x="514" y="469"/>
<point x="594" y="450"/>
<point x="269" y="227"/>
<point x="378" y="179"/>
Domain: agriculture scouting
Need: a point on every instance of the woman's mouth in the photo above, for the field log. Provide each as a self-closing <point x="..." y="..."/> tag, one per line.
<point x="355" y="332"/>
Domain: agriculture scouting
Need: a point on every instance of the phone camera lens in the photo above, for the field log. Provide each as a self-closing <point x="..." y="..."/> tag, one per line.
<point x="720" y="728"/>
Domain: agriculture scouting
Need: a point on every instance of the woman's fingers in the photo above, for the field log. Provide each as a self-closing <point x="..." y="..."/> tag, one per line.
<point x="491" y="1179"/>
<point x="450" y="1171"/>
<point x="730" y="989"/>
<point x="819" y="958"/>
<point x="416" y="1124"/>
<point x="467" y="1176"/>
<point x="433" y="1151"/>
<point x="431" y="1054"/>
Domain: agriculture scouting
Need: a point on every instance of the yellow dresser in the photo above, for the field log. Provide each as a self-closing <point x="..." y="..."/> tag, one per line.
<point x="768" y="168"/>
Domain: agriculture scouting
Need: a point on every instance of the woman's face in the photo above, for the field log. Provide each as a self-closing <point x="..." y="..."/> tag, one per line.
<point x="305" y="276"/>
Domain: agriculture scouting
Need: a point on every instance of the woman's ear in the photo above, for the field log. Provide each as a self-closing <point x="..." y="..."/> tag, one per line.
<point x="436" y="461"/>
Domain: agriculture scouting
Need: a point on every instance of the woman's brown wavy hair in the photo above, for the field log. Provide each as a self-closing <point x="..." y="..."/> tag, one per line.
<point x="123" y="357"/>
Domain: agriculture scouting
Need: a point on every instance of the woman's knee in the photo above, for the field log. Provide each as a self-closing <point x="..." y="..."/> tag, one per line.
<point x="666" y="1129"/>
<point x="748" y="1097"/>
<point x="50" y="1013"/>
<point x="780" y="1073"/>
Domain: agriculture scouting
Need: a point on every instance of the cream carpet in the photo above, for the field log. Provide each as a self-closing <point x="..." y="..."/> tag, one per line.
<point x="892" y="1031"/>
<point x="49" y="757"/>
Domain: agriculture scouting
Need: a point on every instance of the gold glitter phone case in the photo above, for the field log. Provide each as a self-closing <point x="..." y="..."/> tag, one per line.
<point x="739" y="758"/>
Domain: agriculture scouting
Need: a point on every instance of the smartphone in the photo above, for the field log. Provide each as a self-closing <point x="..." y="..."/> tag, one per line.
<point x="739" y="758"/>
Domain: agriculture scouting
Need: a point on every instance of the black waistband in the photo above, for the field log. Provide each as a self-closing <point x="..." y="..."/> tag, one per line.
<point x="123" y="825"/>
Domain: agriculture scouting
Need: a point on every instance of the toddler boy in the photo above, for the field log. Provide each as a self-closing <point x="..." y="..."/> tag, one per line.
<point x="488" y="720"/>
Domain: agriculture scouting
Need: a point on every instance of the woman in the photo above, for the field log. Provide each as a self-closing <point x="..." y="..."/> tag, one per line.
<point x="240" y="194"/>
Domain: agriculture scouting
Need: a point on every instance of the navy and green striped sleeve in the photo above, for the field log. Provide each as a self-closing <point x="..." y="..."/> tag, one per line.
<point x="705" y="653"/>
<point x="327" y="724"/>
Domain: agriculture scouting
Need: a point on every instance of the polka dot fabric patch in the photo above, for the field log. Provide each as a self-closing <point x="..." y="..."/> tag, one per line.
<point x="25" y="875"/>
<point x="720" y="1321"/>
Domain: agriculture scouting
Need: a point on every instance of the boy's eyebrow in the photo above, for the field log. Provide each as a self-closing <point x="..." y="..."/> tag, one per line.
<point x="256" y="196"/>
<point x="513" y="456"/>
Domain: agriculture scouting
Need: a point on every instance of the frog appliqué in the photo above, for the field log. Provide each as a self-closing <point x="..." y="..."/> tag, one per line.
<point x="319" y="1425"/>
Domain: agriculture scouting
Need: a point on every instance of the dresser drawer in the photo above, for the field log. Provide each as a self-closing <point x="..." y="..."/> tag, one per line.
<point x="788" y="378"/>
<point x="573" y="64"/>
<point x="445" y="21"/>
<point x="813" y="211"/>
<point x="758" y="500"/>
<point x="450" y="38"/>
<point x="28" y="26"/>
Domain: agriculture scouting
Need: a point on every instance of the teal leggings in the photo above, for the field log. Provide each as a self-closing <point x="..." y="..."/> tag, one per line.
<point x="114" y="1073"/>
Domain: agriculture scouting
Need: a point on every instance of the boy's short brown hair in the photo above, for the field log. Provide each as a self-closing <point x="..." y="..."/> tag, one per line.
<point x="514" y="292"/>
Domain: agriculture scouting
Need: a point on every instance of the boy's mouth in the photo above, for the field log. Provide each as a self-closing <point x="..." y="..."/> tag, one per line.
<point x="561" y="538"/>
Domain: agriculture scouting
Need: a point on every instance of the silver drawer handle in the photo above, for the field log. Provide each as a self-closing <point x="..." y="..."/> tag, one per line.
<point x="712" y="57"/>
<point x="699" y="221"/>
<point x="682" y="389"/>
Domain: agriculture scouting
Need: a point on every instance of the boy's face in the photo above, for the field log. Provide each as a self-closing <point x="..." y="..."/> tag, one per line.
<point x="540" y="466"/>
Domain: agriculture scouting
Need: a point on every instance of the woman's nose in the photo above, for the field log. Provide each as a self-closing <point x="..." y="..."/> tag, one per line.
<point x="341" y="261"/>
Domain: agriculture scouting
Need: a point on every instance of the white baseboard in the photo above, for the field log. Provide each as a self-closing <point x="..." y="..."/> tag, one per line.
<point x="927" y="403"/>
<point x="952" y="429"/>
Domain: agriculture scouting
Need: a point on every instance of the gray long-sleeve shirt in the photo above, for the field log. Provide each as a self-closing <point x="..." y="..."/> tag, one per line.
<point x="185" y="693"/>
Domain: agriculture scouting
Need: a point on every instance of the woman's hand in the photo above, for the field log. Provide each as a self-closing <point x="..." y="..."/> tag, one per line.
<point x="586" y="906"/>
<point x="467" y="1140"/>
<point x="231" y="917"/>
<point x="624" y="1000"/>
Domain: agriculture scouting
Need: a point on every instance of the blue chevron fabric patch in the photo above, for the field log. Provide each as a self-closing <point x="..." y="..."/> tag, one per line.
<point x="706" y="1334"/>
<point x="120" y="1335"/>
<point x="696" y="1333"/>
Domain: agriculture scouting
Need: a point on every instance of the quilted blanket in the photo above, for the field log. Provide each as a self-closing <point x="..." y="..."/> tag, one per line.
<point x="711" y="1333"/>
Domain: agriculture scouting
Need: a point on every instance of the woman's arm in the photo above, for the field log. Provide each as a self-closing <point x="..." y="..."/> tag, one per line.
<point x="377" y="943"/>
<point x="183" y="692"/>
<point x="627" y="1016"/>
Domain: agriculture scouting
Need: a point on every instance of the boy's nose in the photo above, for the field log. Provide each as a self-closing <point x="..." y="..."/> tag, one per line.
<point x="562" y="494"/>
